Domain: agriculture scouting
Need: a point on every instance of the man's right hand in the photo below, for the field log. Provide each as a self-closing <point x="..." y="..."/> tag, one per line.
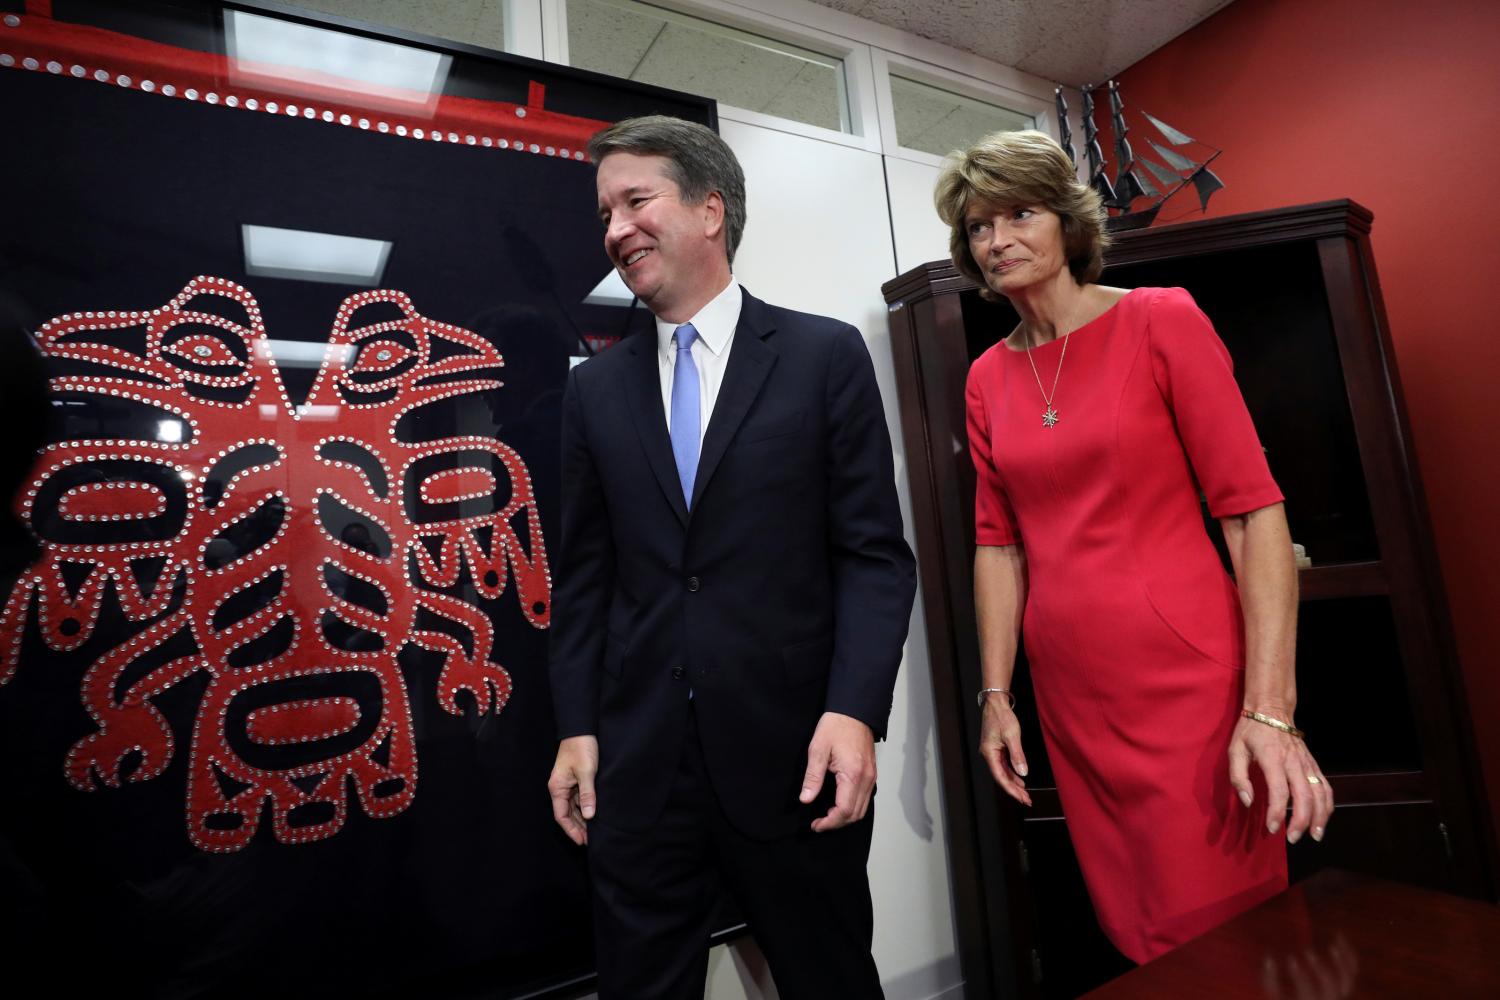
<point x="572" y="786"/>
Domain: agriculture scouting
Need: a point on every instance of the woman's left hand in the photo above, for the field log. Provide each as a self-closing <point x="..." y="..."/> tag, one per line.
<point x="1290" y="772"/>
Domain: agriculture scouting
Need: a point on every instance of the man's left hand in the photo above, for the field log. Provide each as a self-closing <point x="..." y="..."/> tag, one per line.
<point x="843" y="746"/>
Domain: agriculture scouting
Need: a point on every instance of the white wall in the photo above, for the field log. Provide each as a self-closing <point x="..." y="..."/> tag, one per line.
<point x="819" y="239"/>
<point x="919" y="234"/>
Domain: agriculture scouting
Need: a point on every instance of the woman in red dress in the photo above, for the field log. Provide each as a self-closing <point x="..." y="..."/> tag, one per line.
<point x="1165" y="693"/>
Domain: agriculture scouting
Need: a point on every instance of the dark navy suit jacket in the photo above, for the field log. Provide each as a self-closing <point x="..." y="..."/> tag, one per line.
<point x="783" y="591"/>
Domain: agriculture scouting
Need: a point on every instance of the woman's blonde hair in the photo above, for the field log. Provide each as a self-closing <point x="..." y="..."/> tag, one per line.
<point x="1022" y="168"/>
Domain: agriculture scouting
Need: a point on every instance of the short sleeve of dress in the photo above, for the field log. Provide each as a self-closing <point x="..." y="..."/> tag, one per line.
<point x="1195" y="374"/>
<point x="994" y="521"/>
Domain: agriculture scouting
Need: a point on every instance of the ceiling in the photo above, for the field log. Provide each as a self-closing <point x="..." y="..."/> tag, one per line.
<point x="1065" y="41"/>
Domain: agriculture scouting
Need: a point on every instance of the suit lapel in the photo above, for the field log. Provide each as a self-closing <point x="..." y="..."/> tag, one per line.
<point x="750" y="361"/>
<point x="643" y="386"/>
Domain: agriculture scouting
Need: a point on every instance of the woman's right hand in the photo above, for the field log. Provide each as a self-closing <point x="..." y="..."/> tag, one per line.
<point x="999" y="738"/>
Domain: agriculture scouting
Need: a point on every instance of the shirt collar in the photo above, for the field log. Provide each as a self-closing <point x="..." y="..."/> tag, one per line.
<point x="715" y="322"/>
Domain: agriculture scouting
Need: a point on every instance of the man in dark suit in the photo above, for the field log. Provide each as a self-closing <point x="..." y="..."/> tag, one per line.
<point x="732" y="593"/>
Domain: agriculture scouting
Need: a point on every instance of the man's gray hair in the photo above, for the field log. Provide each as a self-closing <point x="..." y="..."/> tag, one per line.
<point x="698" y="161"/>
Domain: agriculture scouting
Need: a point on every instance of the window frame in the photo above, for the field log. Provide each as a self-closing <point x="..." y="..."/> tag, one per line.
<point x="860" y="91"/>
<point x="1042" y="110"/>
<point x="524" y="28"/>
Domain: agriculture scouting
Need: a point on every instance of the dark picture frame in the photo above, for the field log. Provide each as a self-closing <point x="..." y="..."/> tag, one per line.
<point x="140" y="207"/>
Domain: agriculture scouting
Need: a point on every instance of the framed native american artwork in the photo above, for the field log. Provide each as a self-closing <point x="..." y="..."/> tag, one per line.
<point x="274" y="712"/>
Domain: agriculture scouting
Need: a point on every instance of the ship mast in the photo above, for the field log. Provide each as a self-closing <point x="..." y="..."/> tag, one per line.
<point x="1128" y="187"/>
<point x="1064" y="127"/>
<point x="1097" y="180"/>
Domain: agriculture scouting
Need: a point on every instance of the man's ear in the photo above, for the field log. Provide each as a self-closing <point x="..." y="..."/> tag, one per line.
<point x="713" y="215"/>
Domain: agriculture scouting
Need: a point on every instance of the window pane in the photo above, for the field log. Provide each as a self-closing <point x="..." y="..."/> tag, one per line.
<point x="639" y="42"/>
<point x="474" y="22"/>
<point x="939" y="121"/>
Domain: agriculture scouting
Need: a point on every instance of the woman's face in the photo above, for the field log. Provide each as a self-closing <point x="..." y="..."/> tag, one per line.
<point x="1015" y="246"/>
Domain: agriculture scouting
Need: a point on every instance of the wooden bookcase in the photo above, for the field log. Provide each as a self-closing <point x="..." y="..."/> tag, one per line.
<point x="1294" y="295"/>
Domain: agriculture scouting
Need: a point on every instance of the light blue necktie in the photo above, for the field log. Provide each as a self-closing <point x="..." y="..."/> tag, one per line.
<point x="685" y="411"/>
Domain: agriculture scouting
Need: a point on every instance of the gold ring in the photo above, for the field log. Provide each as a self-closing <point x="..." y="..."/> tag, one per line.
<point x="1313" y="779"/>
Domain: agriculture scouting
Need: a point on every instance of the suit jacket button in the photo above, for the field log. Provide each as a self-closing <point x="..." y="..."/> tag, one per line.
<point x="678" y="673"/>
<point x="693" y="584"/>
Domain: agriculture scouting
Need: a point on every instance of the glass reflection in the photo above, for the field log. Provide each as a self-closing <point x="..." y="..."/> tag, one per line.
<point x="610" y="291"/>
<point x="321" y="63"/>
<point x="307" y="256"/>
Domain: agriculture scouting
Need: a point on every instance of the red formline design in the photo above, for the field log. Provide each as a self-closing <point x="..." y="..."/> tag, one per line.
<point x="285" y="554"/>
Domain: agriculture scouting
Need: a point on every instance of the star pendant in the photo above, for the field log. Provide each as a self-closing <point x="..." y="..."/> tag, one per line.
<point x="1049" y="418"/>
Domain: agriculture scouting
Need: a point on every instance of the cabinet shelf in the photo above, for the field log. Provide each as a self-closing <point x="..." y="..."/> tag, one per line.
<point x="1354" y="579"/>
<point x="1349" y="790"/>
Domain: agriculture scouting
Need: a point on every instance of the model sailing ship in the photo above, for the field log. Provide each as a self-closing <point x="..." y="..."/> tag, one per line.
<point x="1134" y="175"/>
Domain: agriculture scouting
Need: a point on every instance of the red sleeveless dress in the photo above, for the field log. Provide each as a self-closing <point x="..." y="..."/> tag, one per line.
<point x="1132" y="628"/>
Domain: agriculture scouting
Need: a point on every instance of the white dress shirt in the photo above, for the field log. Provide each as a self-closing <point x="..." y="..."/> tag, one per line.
<point x="715" y="324"/>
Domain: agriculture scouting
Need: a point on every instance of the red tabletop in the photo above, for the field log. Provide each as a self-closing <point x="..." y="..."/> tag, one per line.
<point x="1335" y="935"/>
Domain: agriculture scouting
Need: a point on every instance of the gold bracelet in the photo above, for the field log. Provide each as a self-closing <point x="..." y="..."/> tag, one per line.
<point x="1005" y="691"/>
<point x="1266" y="720"/>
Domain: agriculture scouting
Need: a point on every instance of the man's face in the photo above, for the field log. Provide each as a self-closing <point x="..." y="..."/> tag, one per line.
<point x="664" y="250"/>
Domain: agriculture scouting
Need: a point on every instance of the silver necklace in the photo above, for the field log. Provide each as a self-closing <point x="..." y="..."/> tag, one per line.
<point x="1049" y="415"/>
